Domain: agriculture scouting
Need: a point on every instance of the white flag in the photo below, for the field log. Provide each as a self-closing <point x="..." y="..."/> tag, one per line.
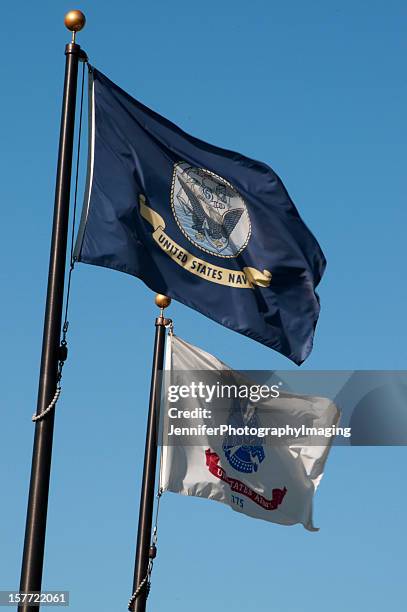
<point x="273" y="482"/>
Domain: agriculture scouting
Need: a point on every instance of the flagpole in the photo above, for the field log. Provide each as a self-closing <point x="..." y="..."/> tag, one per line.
<point x="143" y="553"/>
<point x="34" y="541"/>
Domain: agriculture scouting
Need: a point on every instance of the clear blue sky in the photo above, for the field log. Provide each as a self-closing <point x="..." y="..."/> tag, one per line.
<point x="317" y="90"/>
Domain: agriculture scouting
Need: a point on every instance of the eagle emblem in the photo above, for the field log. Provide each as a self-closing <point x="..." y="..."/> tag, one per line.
<point x="246" y="456"/>
<point x="209" y="211"/>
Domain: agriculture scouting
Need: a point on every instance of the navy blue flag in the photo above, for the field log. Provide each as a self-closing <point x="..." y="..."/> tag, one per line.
<point x="208" y="227"/>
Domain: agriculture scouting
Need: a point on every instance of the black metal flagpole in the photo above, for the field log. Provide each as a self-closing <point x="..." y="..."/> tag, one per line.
<point x="143" y="551"/>
<point x="34" y="542"/>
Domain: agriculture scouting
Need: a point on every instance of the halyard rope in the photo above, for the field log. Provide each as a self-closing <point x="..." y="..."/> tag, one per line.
<point x="63" y="350"/>
<point x="153" y="550"/>
<point x="38" y="417"/>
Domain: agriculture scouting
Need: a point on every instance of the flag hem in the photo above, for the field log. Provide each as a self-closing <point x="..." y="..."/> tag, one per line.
<point x="90" y="165"/>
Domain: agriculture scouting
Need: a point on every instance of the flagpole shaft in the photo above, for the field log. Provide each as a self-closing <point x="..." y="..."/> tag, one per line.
<point x="34" y="542"/>
<point x="149" y="470"/>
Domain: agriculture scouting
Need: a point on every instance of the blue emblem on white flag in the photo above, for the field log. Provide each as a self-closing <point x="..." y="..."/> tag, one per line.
<point x="247" y="456"/>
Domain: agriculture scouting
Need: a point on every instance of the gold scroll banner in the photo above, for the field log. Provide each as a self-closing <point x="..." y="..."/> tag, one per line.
<point x="245" y="279"/>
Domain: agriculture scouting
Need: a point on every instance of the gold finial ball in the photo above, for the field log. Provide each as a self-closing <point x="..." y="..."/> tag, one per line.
<point x="75" y="21"/>
<point x="162" y="301"/>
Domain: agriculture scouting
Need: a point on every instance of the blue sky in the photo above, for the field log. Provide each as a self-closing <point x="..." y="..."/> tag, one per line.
<point x="318" y="91"/>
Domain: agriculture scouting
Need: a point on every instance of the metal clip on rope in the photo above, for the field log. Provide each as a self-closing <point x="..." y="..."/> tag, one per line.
<point x="170" y="326"/>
